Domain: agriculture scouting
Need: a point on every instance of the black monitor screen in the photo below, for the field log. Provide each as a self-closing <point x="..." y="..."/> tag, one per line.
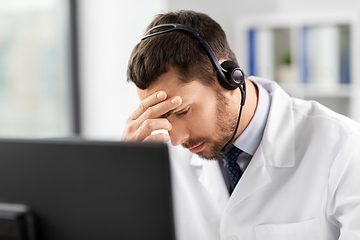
<point x="77" y="189"/>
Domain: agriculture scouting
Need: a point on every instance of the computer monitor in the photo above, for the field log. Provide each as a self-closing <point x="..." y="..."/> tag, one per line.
<point x="79" y="189"/>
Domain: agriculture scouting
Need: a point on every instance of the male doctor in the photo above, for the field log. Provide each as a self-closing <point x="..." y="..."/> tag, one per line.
<point x="254" y="163"/>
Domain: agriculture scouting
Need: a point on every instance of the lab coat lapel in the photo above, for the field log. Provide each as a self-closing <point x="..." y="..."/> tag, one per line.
<point x="280" y="125"/>
<point x="210" y="176"/>
<point x="255" y="177"/>
<point x="278" y="140"/>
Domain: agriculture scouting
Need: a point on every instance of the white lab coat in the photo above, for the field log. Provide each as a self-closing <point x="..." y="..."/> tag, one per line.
<point x="303" y="183"/>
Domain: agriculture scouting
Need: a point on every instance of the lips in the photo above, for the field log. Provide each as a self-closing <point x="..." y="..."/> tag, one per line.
<point x="197" y="148"/>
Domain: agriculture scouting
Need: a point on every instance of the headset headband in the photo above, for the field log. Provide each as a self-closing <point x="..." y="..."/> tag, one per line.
<point x="195" y="34"/>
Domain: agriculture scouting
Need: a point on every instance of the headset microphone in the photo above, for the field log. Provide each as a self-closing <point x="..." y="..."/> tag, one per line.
<point x="229" y="74"/>
<point x="228" y="145"/>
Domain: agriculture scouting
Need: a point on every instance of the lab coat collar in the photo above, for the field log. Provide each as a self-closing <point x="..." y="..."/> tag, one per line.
<point x="278" y="140"/>
<point x="196" y="161"/>
<point x="210" y="176"/>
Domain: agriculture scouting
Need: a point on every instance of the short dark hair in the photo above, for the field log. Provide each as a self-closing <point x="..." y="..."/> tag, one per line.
<point x="178" y="50"/>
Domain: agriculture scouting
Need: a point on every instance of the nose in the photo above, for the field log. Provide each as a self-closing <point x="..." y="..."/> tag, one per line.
<point x="178" y="133"/>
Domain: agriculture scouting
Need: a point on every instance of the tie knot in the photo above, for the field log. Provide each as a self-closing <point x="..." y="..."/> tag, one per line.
<point x="232" y="155"/>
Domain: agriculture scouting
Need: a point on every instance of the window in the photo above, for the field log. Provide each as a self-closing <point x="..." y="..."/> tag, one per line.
<point x="37" y="71"/>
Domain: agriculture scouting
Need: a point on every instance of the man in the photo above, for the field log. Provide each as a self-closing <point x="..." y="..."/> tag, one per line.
<point x="297" y="170"/>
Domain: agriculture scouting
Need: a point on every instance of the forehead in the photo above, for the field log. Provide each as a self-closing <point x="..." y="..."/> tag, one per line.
<point x="170" y="83"/>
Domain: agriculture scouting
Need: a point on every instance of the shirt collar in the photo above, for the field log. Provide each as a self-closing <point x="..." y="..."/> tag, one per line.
<point x="250" y="138"/>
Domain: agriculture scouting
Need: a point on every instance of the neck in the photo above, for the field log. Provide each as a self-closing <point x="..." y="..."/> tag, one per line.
<point x="252" y="95"/>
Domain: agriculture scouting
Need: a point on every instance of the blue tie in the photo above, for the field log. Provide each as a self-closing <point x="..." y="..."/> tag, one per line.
<point x="234" y="170"/>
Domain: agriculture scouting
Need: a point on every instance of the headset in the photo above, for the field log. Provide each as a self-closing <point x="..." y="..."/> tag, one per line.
<point x="230" y="76"/>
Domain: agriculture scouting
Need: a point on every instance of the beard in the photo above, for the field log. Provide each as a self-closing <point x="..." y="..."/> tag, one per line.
<point x="225" y="126"/>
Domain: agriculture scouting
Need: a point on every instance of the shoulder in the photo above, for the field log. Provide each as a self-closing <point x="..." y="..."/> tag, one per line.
<point x="320" y="119"/>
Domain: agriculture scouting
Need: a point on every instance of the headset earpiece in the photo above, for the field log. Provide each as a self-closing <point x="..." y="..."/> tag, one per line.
<point x="234" y="75"/>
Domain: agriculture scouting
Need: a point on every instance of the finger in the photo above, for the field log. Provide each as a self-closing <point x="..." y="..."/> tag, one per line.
<point x="160" y="137"/>
<point x="156" y="111"/>
<point x="148" y="102"/>
<point x="151" y="125"/>
<point x="160" y="109"/>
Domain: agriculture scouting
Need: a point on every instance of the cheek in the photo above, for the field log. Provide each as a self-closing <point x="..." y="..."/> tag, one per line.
<point x="203" y="122"/>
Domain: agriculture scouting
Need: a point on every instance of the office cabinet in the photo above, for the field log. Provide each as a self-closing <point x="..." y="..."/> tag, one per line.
<point x="313" y="56"/>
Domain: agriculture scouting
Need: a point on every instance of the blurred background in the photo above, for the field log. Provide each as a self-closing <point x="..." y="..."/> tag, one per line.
<point x="63" y="62"/>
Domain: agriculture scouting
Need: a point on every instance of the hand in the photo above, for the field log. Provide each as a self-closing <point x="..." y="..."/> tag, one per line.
<point x="146" y="118"/>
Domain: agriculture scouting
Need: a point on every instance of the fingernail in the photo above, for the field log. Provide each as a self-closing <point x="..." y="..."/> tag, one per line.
<point x="176" y="100"/>
<point x="160" y="95"/>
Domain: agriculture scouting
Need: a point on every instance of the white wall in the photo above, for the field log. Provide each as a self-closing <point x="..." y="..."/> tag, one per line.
<point x="316" y="5"/>
<point x="108" y="31"/>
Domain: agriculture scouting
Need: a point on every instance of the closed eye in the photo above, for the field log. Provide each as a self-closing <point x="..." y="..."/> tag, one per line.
<point x="183" y="113"/>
